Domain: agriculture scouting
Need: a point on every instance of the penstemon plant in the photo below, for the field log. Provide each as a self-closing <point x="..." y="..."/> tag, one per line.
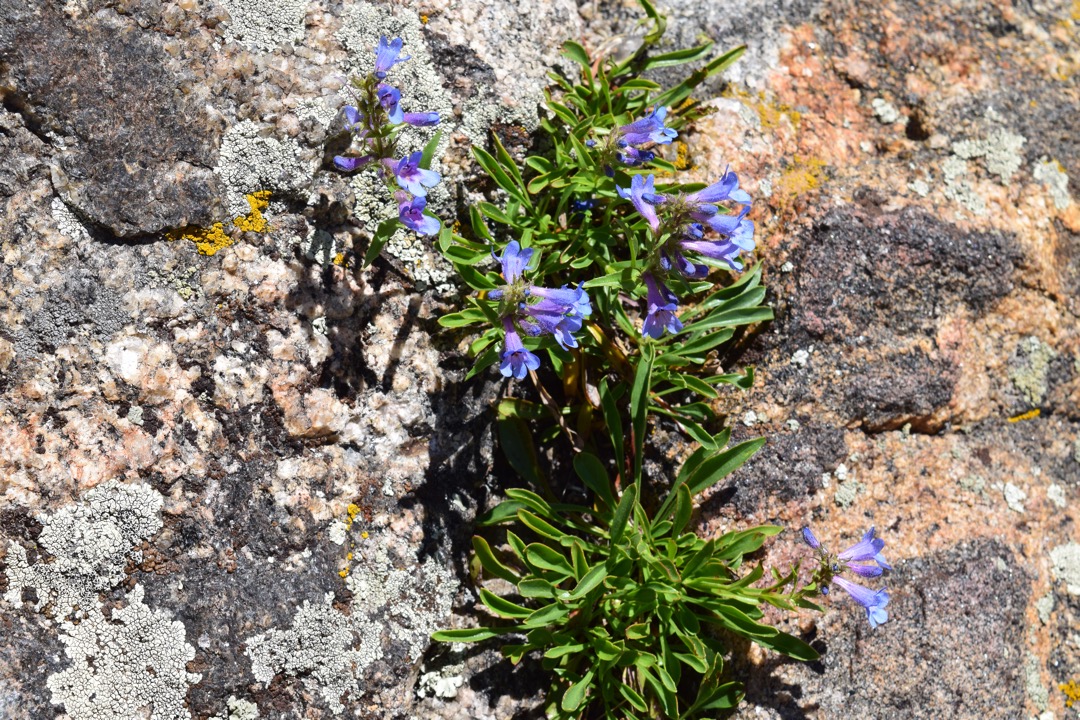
<point x="592" y="267"/>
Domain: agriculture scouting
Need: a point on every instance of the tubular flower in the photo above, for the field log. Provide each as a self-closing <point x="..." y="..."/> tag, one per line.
<point x="853" y="559"/>
<point x="421" y="119"/>
<point x="873" y="600"/>
<point x="650" y="128"/>
<point x="516" y="360"/>
<point x="514" y="260"/>
<point x="389" y="97"/>
<point x="387" y="55"/>
<point x="662" y="305"/>
<point x="410" y="176"/>
<point x="411" y="214"/>
<point x="643" y="194"/>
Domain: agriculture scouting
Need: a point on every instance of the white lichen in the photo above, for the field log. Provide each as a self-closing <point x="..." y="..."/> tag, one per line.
<point x="1053" y="176"/>
<point x="1066" y="566"/>
<point x="885" y="111"/>
<point x="239" y="710"/>
<point x="90" y="542"/>
<point x="265" y="24"/>
<point x="1000" y="152"/>
<point x="67" y="222"/>
<point x="251" y="160"/>
<point x="321" y="647"/>
<point x="957" y="189"/>
<point x="125" y="665"/>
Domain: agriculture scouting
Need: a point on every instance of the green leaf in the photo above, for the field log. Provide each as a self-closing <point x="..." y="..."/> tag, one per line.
<point x="721" y="465"/>
<point x="614" y="426"/>
<point x="675" y="96"/>
<point x="633" y="697"/>
<point x="469" y="316"/>
<point x="678" y="57"/>
<point x="592" y="473"/>
<point x="684" y="508"/>
<point x="429" y="150"/>
<point x="507" y="162"/>
<point x="621" y="278"/>
<point x="383" y="233"/>
<point x="541" y="527"/>
<point x="516" y="442"/>
<point x="468" y="634"/>
<point x="499" y="175"/>
<point x="536" y="588"/>
<point x="639" y="404"/>
<point x="501" y="606"/>
<point x="547" y="615"/>
<point x="622" y="513"/>
<point x="546" y="558"/>
<point x="560" y="650"/>
<point x="592" y="580"/>
<point x="575" y="694"/>
<point x="490" y="562"/>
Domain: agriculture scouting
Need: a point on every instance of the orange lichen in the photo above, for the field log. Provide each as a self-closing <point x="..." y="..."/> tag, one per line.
<point x="1072" y="692"/>
<point x="207" y="240"/>
<point x="804" y="175"/>
<point x="254" y="220"/>
<point x="1030" y="414"/>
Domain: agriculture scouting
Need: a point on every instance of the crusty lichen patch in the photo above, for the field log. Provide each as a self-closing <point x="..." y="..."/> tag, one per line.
<point x="1030" y="367"/>
<point x="90" y="543"/>
<point x="208" y="241"/>
<point x="124" y="665"/>
<point x="319" y="648"/>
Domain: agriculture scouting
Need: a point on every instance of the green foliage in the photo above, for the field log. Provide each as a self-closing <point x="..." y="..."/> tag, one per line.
<point x="629" y="609"/>
<point x="620" y="603"/>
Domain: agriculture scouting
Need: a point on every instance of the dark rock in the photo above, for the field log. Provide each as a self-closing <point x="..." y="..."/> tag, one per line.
<point x="134" y="151"/>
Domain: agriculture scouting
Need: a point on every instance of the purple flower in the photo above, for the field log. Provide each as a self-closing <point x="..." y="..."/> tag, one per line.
<point x="411" y="214"/>
<point x="868" y="548"/>
<point x="575" y="300"/>
<point x="873" y="600"/>
<point x="421" y="119"/>
<point x="726" y="188"/>
<point x="555" y="318"/>
<point x="643" y="194"/>
<point x="648" y="129"/>
<point x="514" y="260"/>
<point x="387" y="56"/>
<point x="724" y="250"/>
<point x="354" y="120"/>
<point x="410" y="176"/>
<point x="662" y="304"/>
<point x="634" y="157"/>
<point x="389" y="97"/>
<point x="349" y="163"/>
<point x="810" y="538"/>
<point x="516" y="360"/>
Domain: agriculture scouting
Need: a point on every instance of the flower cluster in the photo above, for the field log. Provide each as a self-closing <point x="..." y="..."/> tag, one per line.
<point x="864" y="559"/>
<point x="373" y="124"/>
<point x="535" y="311"/>
<point x="710" y="223"/>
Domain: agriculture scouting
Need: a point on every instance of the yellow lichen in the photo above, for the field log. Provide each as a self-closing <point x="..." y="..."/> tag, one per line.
<point x="254" y="220"/>
<point x="353" y="510"/>
<point x="1025" y="416"/>
<point x="344" y="573"/>
<point x="363" y="535"/>
<point x="339" y="259"/>
<point x="1072" y="692"/>
<point x="803" y="175"/>
<point x="424" y="19"/>
<point x="207" y="240"/>
<point x="682" y="156"/>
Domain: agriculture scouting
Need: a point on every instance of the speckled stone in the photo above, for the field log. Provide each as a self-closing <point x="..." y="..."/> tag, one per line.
<point x="318" y="457"/>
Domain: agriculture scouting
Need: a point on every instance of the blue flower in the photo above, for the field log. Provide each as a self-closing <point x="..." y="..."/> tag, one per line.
<point x="354" y="120"/>
<point x="726" y="188"/>
<point x="643" y="194"/>
<point x="410" y="176"/>
<point x="662" y="305"/>
<point x="421" y="119"/>
<point x="389" y="97"/>
<point x="873" y="600"/>
<point x="868" y="548"/>
<point x="516" y="360"/>
<point x="575" y="300"/>
<point x="634" y="157"/>
<point x="411" y="214"/>
<point x="349" y="163"/>
<point x="648" y="129"/>
<point x="387" y="56"/>
<point x="556" y="319"/>
<point x="810" y="538"/>
<point x="582" y="205"/>
<point x="514" y="260"/>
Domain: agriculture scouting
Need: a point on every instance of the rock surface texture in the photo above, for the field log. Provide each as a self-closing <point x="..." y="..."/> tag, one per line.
<point x="240" y="483"/>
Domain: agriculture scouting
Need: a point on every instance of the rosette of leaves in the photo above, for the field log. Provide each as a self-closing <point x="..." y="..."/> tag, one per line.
<point x="629" y="610"/>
